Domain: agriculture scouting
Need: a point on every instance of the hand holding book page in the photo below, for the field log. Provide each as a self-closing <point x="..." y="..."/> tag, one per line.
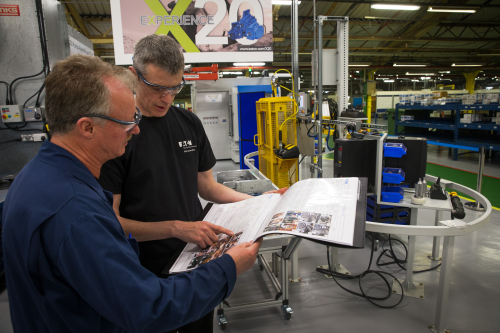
<point x="321" y="208"/>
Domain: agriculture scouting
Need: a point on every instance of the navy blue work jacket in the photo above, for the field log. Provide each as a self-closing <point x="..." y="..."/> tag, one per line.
<point x="70" y="268"/>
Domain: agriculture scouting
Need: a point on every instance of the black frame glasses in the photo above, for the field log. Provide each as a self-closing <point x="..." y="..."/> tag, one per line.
<point x="162" y="89"/>
<point x="130" y="124"/>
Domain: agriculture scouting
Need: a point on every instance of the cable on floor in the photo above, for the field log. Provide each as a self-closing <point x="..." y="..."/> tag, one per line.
<point x="370" y="299"/>
<point x="397" y="261"/>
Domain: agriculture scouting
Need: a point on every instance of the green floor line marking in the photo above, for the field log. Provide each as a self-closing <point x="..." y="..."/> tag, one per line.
<point x="489" y="188"/>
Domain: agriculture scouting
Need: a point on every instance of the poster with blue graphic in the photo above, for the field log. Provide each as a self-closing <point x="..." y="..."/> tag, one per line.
<point x="209" y="31"/>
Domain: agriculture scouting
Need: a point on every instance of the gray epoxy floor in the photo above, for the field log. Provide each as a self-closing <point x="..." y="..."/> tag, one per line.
<point x="321" y="306"/>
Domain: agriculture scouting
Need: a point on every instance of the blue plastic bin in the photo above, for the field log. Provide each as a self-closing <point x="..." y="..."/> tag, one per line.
<point x="393" y="175"/>
<point x="394" y="149"/>
<point x="392" y="193"/>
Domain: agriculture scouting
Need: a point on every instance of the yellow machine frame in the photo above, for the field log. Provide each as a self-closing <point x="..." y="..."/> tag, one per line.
<point x="271" y="113"/>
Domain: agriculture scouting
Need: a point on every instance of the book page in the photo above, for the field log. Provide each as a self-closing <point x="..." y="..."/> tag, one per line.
<point x="244" y="218"/>
<point x="320" y="208"/>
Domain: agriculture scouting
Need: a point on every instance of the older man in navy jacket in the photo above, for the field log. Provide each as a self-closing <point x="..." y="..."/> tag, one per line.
<point x="69" y="265"/>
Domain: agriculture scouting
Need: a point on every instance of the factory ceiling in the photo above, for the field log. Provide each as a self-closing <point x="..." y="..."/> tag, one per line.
<point x="379" y="37"/>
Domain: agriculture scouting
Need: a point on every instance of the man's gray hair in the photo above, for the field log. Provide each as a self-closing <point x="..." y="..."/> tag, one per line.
<point x="161" y="51"/>
<point x="75" y="88"/>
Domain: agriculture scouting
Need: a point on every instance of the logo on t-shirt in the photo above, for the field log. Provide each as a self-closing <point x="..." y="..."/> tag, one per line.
<point x="187" y="145"/>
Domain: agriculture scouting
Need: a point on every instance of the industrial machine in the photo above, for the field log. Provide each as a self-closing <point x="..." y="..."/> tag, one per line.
<point x="273" y="118"/>
<point x="226" y="108"/>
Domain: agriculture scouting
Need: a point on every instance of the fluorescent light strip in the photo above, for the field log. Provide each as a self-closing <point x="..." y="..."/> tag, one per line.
<point x="410" y="65"/>
<point x="420" y="73"/>
<point x="467" y="65"/>
<point x="395" y="7"/>
<point x="388" y="81"/>
<point x="248" y="64"/>
<point x="450" y="10"/>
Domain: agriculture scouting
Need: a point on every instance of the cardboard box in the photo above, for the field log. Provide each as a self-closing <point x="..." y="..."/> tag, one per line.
<point x="439" y="94"/>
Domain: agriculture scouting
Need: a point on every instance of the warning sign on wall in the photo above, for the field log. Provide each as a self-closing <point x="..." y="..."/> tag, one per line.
<point x="9" y="10"/>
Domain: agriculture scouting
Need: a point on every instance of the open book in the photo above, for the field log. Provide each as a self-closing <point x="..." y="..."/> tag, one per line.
<point x="329" y="210"/>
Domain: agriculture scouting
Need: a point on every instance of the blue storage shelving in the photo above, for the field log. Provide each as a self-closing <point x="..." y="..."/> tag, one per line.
<point x="453" y="126"/>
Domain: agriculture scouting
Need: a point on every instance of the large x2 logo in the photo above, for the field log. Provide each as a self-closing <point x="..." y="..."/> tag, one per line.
<point x="157" y="7"/>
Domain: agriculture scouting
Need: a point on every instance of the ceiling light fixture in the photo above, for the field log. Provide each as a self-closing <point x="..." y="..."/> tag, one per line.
<point x="406" y="64"/>
<point x="468" y="65"/>
<point x="248" y="64"/>
<point x="452" y="9"/>
<point x="388" y="81"/>
<point x="426" y="74"/>
<point x="360" y="64"/>
<point x="394" y="7"/>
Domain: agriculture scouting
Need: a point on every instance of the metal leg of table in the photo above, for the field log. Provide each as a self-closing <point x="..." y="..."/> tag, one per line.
<point x="410" y="288"/>
<point x="295" y="267"/>
<point x="436" y="243"/>
<point x="444" y="285"/>
<point x="274" y="264"/>
<point x="476" y="205"/>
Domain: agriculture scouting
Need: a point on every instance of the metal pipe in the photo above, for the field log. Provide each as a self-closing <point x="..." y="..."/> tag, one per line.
<point x="480" y="170"/>
<point x="436" y="242"/>
<point x="320" y="95"/>
<point x="295" y="48"/>
<point x="444" y="283"/>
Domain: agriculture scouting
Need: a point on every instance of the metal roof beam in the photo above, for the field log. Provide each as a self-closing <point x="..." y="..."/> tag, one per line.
<point x="404" y="21"/>
<point x="77" y="18"/>
<point x="398" y="39"/>
<point x="424" y="4"/>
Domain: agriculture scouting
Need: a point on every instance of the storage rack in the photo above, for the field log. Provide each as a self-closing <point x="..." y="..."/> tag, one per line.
<point x="452" y="124"/>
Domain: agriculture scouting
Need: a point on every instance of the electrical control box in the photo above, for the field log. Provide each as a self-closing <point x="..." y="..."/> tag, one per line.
<point x="355" y="158"/>
<point x="34" y="137"/>
<point x="12" y="113"/>
<point x="33" y="114"/>
<point x="303" y="103"/>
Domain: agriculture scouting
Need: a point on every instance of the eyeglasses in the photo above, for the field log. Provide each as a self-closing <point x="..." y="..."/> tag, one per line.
<point x="161" y="90"/>
<point x="129" y="125"/>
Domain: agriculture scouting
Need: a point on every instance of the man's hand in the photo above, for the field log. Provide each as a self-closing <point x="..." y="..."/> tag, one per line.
<point x="244" y="255"/>
<point x="280" y="191"/>
<point x="201" y="233"/>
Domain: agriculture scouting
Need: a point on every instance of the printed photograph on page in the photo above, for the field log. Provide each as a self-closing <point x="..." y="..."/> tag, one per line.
<point x="216" y="250"/>
<point x="308" y="223"/>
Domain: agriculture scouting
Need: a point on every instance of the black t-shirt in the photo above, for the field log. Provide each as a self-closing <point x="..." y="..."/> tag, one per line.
<point x="157" y="177"/>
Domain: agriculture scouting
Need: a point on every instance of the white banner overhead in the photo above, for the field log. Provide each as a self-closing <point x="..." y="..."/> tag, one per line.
<point x="209" y="31"/>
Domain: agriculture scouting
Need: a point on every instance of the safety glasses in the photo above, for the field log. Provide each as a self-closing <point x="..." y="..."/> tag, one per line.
<point x="161" y="90"/>
<point x="129" y="125"/>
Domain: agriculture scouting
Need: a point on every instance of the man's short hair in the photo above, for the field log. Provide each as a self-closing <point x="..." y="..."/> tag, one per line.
<point x="75" y="88"/>
<point x="161" y="51"/>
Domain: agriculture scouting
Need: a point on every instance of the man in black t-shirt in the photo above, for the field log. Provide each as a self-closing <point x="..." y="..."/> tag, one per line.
<point x="155" y="184"/>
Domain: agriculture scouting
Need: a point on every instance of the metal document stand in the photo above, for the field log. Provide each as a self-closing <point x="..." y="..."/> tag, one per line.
<point x="285" y="253"/>
<point x="246" y="182"/>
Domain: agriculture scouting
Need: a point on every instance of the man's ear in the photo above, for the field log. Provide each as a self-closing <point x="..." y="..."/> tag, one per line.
<point x="86" y="127"/>
<point x="132" y="69"/>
